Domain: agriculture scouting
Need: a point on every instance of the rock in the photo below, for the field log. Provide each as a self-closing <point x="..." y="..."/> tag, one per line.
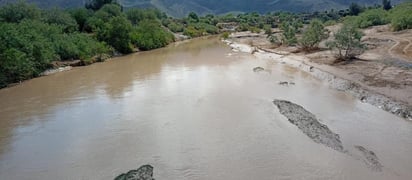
<point x="53" y="71"/>
<point x="311" y="69"/>
<point x="258" y="69"/>
<point x="283" y="83"/>
<point x="57" y="64"/>
<point x="370" y="158"/>
<point x="309" y="125"/>
<point x="363" y="99"/>
<point x="143" y="173"/>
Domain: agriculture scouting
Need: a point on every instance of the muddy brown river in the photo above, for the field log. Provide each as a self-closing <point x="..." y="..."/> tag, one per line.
<point x="194" y="110"/>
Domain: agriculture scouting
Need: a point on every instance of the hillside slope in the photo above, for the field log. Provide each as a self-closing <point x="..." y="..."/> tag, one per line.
<point x="181" y="8"/>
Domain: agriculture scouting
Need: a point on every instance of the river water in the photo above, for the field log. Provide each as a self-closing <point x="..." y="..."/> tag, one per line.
<point x="194" y="110"/>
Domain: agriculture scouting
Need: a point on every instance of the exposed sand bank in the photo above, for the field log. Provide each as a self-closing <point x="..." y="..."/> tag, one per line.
<point x="389" y="88"/>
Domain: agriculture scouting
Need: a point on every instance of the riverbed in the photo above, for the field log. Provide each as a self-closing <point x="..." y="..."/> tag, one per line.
<point x="193" y="110"/>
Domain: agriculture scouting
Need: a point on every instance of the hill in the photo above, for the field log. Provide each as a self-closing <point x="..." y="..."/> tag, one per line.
<point x="181" y="8"/>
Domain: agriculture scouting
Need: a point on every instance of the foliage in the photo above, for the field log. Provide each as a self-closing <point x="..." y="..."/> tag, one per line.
<point x="97" y="4"/>
<point x="288" y="34"/>
<point x="60" y="17"/>
<point x="372" y="17"/>
<point x="117" y="34"/>
<point x="225" y="35"/>
<point x="150" y="35"/>
<point x="78" y="46"/>
<point x="100" y="19"/>
<point x="136" y="15"/>
<point x="191" y="31"/>
<point x="81" y="16"/>
<point x="175" y="27"/>
<point x="268" y="30"/>
<point x="193" y="18"/>
<point x="386" y="4"/>
<point x="315" y="33"/>
<point x="25" y="50"/>
<point x="401" y="16"/>
<point x="274" y="39"/>
<point x="16" y="12"/>
<point x="347" y="43"/>
<point x="355" y="9"/>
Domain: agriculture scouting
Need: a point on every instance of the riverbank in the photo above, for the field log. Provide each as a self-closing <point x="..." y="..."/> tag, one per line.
<point x="383" y="91"/>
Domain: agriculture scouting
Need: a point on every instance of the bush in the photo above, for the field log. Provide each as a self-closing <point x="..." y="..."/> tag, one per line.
<point x="401" y="16"/>
<point x="136" y="15"/>
<point x="175" y="27"/>
<point x="81" y="15"/>
<point x="19" y="11"/>
<point x="347" y="43"/>
<point x="372" y="17"/>
<point x="117" y="34"/>
<point x="59" y="17"/>
<point x="225" y="35"/>
<point x="26" y="49"/>
<point x="97" y="4"/>
<point x="79" y="46"/>
<point x="191" y="31"/>
<point x="151" y="35"/>
<point x="288" y="34"/>
<point x="315" y="33"/>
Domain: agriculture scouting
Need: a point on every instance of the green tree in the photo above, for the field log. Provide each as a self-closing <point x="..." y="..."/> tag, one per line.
<point x="81" y="15"/>
<point x="193" y="17"/>
<point x="102" y="17"/>
<point x="315" y="33"/>
<point x="386" y="4"/>
<point x="355" y="9"/>
<point x="117" y="34"/>
<point x="401" y="16"/>
<point x="16" y="12"/>
<point x="136" y="15"/>
<point x="97" y="4"/>
<point x="288" y="34"/>
<point x="60" y="17"/>
<point x="150" y="34"/>
<point x="347" y="43"/>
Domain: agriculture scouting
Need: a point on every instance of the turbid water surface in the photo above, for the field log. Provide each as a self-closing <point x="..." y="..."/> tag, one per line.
<point x="194" y="110"/>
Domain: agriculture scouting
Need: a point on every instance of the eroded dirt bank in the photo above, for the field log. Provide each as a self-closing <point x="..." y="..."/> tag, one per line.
<point x="383" y="76"/>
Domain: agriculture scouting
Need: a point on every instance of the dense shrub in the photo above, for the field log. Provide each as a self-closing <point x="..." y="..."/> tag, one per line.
<point x="288" y="34"/>
<point x="175" y="27"/>
<point x="78" y="46"/>
<point x="81" y="16"/>
<point x="315" y="33"/>
<point x="372" y="17"/>
<point x="136" y="15"/>
<point x="60" y="17"/>
<point x="347" y="43"/>
<point x="117" y="33"/>
<point x="19" y="11"/>
<point x="401" y="16"/>
<point x="191" y="31"/>
<point x="25" y="49"/>
<point x="151" y="35"/>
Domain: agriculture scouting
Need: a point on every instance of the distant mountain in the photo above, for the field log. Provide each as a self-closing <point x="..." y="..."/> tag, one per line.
<point x="181" y="8"/>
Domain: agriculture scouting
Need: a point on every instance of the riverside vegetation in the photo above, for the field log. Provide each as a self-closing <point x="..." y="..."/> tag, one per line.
<point x="33" y="38"/>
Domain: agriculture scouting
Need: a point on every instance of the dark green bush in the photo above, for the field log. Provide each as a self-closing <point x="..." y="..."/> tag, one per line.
<point x="19" y="11"/>
<point x="372" y="17"/>
<point x="150" y="34"/>
<point x="401" y="16"/>
<point x="60" y="17"/>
